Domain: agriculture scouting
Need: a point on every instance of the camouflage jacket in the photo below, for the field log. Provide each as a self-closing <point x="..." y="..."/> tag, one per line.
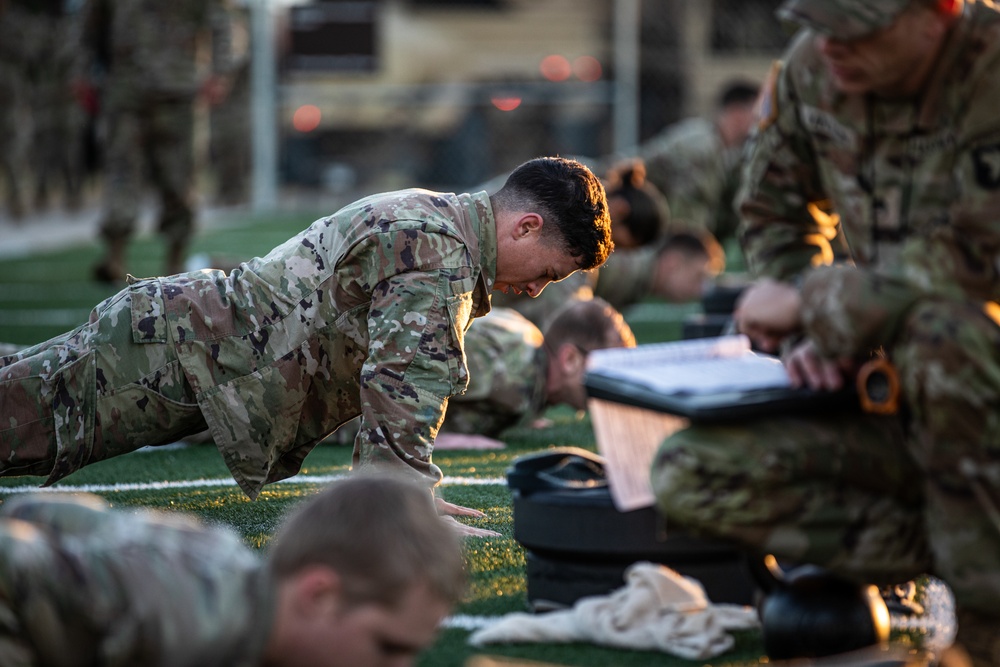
<point x="363" y="312"/>
<point x="916" y="183"/>
<point x="81" y="584"/>
<point x="507" y="367"/>
<point x="689" y="164"/>
<point x="627" y="277"/>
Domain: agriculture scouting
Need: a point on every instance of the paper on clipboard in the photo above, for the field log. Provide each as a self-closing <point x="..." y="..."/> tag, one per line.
<point x="700" y="366"/>
<point x="627" y="438"/>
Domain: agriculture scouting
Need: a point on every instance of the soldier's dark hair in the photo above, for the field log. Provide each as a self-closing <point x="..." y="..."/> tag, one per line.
<point x="380" y="532"/>
<point x="571" y="201"/>
<point x="739" y="92"/>
<point x="648" y="209"/>
<point x="591" y="324"/>
<point x="696" y="243"/>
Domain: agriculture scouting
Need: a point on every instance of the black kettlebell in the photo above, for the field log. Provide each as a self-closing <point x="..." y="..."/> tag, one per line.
<point x="810" y="613"/>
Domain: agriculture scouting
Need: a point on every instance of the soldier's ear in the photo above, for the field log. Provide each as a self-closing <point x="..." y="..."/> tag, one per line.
<point x="571" y="358"/>
<point x="318" y="590"/>
<point x="528" y="223"/>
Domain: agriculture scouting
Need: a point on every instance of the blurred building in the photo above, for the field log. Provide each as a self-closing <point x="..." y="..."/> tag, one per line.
<point x="377" y="94"/>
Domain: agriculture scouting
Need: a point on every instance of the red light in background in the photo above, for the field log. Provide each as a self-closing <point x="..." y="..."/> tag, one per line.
<point x="587" y="68"/>
<point x="506" y="103"/>
<point x="555" y="68"/>
<point x="307" y="118"/>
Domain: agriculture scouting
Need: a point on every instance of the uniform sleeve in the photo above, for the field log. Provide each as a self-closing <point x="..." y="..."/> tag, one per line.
<point x="780" y="237"/>
<point x="847" y="311"/>
<point x="416" y="361"/>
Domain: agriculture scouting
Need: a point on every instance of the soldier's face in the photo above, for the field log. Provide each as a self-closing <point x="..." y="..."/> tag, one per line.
<point x="892" y="62"/>
<point x="529" y="262"/>
<point x="680" y="278"/>
<point x="367" y="634"/>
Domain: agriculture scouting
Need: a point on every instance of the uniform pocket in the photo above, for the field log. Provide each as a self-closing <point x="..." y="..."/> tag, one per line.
<point x="149" y="317"/>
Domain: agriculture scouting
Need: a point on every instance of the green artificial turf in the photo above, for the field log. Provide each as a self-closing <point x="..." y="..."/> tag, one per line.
<point x="49" y="293"/>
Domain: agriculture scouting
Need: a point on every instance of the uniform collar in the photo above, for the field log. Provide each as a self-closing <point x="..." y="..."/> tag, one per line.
<point x="480" y="213"/>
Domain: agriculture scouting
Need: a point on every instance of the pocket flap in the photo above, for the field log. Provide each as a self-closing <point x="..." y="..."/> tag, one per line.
<point x="149" y="318"/>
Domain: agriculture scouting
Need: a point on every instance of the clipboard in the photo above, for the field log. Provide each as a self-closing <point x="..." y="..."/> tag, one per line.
<point x="635" y="402"/>
<point x="634" y="376"/>
<point x="718" y="407"/>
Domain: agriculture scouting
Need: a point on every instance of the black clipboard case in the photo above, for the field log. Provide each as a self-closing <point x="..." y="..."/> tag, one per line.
<point x="717" y="407"/>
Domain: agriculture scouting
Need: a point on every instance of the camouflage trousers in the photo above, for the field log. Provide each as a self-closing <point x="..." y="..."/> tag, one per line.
<point x="877" y="498"/>
<point x="154" y="140"/>
<point x="91" y="394"/>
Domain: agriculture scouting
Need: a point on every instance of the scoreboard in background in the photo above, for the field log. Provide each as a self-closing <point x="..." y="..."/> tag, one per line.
<point x="333" y="36"/>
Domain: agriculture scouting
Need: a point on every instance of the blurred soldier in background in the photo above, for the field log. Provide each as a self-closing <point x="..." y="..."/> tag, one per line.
<point x="640" y="214"/>
<point x="676" y="269"/>
<point x="52" y="61"/>
<point x="515" y="372"/>
<point x="359" y="575"/>
<point x="15" y="116"/>
<point x="696" y="162"/>
<point x="152" y="52"/>
<point x="230" y="130"/>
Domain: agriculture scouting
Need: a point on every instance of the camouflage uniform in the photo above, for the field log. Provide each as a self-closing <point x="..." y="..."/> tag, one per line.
<point x="917" y="187"/>
<point x="627" y="277"/>
<point x="507" y="368"/>
<point x="364" y="312"/>
<point x="153" y="78"/>
<point x="689" y="164"/>
<point x="82" y="584"/>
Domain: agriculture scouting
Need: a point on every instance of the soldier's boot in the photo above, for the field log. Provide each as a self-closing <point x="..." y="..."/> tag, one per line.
<point x="979" y="635"/>
<point x="111" y="269"/>
<point x="175" y="258"/>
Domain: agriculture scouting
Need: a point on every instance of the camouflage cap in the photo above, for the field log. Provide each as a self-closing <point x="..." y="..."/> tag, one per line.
<point x="842" y="19"/>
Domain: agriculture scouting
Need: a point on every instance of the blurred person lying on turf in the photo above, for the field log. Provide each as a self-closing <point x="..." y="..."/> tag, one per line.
<point x="676" y="269"/>
<point x="363" y="313"/>
<point x="515" y="372"/>
<point x="359" y="575"/>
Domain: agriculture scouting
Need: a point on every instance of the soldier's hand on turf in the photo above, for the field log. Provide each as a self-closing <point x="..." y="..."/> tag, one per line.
<point x="449" y="511"/>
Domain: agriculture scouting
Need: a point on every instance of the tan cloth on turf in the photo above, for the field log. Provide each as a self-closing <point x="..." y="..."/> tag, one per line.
<point x="657" y="609"/>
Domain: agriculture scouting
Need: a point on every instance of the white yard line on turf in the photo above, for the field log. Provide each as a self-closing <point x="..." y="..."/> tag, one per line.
<point x="467" y="622"/>
<point x="203" y="483"/>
